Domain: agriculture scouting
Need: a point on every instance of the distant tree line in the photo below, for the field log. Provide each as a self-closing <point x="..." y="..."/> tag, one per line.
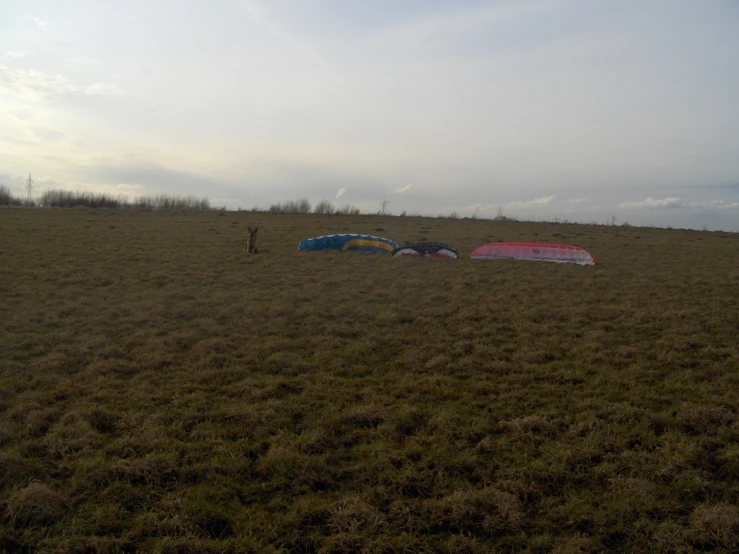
<point x="166" y="202"/>
<point x="303" y="206"/>
<point x="56" y="198"/>
<point x="7" y="199"/>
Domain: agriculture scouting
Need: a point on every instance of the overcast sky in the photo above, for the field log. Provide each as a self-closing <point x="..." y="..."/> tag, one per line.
<point x="576" y="109"/>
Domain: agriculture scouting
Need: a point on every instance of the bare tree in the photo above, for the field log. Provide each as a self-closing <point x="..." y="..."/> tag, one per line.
<point x="324" y="207"/>
<point x="304" y="206"/>
<point x="383" y="206"/>
<point x="5" y="196"/>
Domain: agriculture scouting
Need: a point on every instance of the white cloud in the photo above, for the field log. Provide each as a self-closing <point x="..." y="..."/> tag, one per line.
<point x="723" y="205"/>
<point x="675" y="203"/>
<point x="260" y="14"/>
<point x="127" y="190"/>
<point x="41" y="24"/>
<point x="46" y="134"/>
<point x="405" y="190"/>
<point x="516" y="208"/>
<point x="501" y="209"/>
<point x="14" y="54"/>
<point x="81" y="62"/>
<point x="37" y="85"/>
<point x="541" y="201"/>
<point x="544" y="199"/>
<point x="340" y="193"/>
<point x="579" y="201"/>
<point x="462" y="22"/>
<point x="104" y="89"/>
<point x="33" y="85"/>
<point x="669" y="203"/>
<point x="482" y="208"/>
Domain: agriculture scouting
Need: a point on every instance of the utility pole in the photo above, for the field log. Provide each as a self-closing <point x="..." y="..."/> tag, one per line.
<point x="29" y="188"/>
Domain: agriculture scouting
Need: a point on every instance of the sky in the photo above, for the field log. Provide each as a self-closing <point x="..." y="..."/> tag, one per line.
<point x="579" y="110"/>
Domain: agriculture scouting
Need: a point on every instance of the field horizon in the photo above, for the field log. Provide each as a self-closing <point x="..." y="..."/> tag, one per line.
<point x="164" y="391"/>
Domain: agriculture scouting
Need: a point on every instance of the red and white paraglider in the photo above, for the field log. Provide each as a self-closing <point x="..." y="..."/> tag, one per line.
<point x="560" y="253"/>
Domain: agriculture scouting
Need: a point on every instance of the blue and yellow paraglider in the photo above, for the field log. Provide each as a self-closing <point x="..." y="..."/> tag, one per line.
<point x="349" y="243"/>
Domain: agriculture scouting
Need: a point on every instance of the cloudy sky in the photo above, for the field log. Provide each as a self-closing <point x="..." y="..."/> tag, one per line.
<point x="569" y="109"/>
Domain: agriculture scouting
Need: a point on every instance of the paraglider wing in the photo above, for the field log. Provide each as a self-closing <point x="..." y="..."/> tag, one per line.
<point x="349" y="242"/>
<point x="426" y="250"/>
<point x="561" y="253"/>
<point x="368" y="245"/>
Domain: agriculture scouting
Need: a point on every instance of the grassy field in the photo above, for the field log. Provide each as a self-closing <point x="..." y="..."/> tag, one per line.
<point x="161" y="391"/>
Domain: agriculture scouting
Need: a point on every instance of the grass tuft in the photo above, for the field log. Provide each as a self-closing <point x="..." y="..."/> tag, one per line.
<point x="716" y="526"/>
<point x="35" y="504"/>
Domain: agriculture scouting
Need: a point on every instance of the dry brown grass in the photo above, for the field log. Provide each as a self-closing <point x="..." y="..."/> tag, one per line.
<point x="162" y="391"/>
